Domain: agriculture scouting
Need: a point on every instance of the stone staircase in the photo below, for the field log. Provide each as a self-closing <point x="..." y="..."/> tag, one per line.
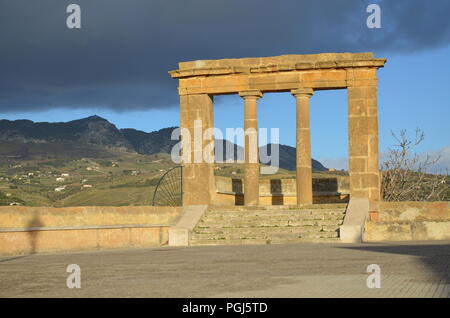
<point x="240" y="225"/>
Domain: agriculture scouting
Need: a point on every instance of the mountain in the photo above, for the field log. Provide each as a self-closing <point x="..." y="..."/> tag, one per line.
<point x="92" y="130"/>
<point x="150" y="143"/>
<point x="287" y="157"/>
<point x="85" y="135"/>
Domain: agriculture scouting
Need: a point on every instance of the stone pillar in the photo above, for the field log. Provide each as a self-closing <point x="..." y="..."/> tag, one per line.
<point x="251" y="174"/>
<point x="363" y="136"/>
<point x="197" y="115"/>
<point x="303" y="146"/>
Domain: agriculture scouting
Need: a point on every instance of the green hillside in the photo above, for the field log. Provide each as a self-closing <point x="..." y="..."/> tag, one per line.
<point x="124" y="179"/>
<point x="91" y="162"/>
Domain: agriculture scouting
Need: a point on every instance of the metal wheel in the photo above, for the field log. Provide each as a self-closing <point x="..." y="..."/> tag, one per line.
<point x="169" y="190"/>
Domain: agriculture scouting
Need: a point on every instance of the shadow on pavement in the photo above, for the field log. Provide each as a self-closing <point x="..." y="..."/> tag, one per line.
<point x="435" y="256"/>
<point x="12" y="258"/>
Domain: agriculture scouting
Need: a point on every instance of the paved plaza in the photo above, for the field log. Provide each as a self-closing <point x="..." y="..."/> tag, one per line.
<point x="409" y="269"/>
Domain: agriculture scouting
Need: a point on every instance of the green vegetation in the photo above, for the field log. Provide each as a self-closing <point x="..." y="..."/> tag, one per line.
<point x="123" y="179"/>
<point x="9" y="200"/>
<point x="76" y="174"/>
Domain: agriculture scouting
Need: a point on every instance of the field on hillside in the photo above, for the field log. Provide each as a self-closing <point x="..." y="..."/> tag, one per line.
<point x="126" y="179"/>
<point x="115" y="180"/>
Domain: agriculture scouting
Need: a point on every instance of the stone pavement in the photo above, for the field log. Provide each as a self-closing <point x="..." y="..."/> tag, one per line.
<point x="409" y="269"/>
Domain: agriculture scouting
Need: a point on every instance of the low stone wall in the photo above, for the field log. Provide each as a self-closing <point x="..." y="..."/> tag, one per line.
<point x="238" y="199"/>
<point x="25" y="230"/>
<point x="402" y="221"/>
<point x="229" y="191"/>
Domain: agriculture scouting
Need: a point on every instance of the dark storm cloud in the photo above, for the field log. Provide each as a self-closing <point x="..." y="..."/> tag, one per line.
<point x="120" y="57"/>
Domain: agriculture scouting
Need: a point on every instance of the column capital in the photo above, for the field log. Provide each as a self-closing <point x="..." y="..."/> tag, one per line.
<point x="251" y="94"/>
<point x="303" y="91"/>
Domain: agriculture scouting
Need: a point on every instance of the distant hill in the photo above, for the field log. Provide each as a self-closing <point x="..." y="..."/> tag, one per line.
<point x="150" y="143"/>
<point x="287" y="158"/>
<point x="92" y="130"/>
<point x="95" y="136"/>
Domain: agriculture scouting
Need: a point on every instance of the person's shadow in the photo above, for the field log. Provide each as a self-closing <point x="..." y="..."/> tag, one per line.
<point x="33" y="228"/>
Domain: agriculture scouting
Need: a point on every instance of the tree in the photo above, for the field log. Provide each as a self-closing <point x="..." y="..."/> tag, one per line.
<point x="406" y="176"/>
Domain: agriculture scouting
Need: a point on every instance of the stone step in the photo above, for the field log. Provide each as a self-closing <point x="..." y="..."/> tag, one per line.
<point x="269" y="225"/>
<point x="276" y="218"/>
<point x="265" y="222"/>
<point x="320" y="214"/>
<point x="280" y="207"/>
<point x="203" y="242"/>
<point x="263" y="235"/>
<point x="268" y="230"/>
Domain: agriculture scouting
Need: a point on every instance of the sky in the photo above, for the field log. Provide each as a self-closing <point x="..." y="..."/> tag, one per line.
<point x="116" y="65"/>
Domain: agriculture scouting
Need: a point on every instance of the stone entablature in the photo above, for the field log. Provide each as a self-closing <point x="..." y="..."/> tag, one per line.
<point x="283" y="63"/>
<point x="277" y="74"/>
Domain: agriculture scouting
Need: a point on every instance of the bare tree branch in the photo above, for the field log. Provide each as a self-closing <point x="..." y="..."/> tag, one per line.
<point x="406" y="176"/>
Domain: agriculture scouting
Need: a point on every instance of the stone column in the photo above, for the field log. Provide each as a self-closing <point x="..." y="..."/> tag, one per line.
<point x="303" y="146"/>
<point x="197" y="115"/>
<point x="363" y="136"/>
<point x="251" y="174"/>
